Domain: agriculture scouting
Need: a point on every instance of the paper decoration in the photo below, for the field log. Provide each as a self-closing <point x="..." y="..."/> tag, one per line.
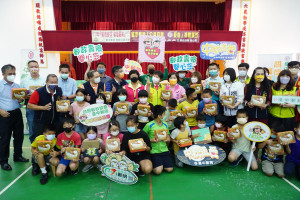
<point x="63" y="106"/>
<point x="183" y="62"/>
<point x="72" y="153"/>
<point x="132" y="65"/>
<point x="218" y="50"/>
<point x="95" y="114"/>
<point x="201" y="155"/>
<point x="204" y="135"/>
<point x="136" y="145"/>
<point x="88" y="52"/>
<point x="91" y="147"/>
<point x="111" y="36"/>
<point x="151" y="49"/>
<point x="286" y="99"/>
<point x="44" y="147"/>
<point x="18" y="93"/>
<point x="287" y="137"/>
<point x="119" y="168"/>
<point x="122" y="108"/>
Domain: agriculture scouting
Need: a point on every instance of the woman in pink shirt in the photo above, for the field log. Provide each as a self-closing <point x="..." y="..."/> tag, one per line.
<point x="133" y="87"/>
<point x="178" y="92"/>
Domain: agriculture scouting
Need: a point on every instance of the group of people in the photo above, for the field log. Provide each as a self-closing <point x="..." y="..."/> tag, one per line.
<point x="65" y="130"/>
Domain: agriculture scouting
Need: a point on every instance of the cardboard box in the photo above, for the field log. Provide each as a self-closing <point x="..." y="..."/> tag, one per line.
<point x="220" y="136"/>
<point x="215" y="86"/>
<point x="275" y="148"/>
<point x="197" y="87"/>
<point x="204" y="135"/>
<point x="113" y="144"/>
<point x="176" y="113"/>
<point x="211" y="109"/>
<point x="286" y="137"/>
<point x="72" y="153"/>
<point x="63" y="106"/>
<point x="185" y="142"/>
<point x="235" y="132"/>
<point x="108" y="96"/>
<point x="191" y="112"/>
<point x="228" y="100"/>
<point x="258" y="100"/>
<point x="143" y="110"/>
<point x="136" y="145"/>
<point x="18" y="93"/>
<point x="161" y="134"/>
<point x="44" y="147"/>
<point x="33" y="88"/>
<point x="91" y="147"/>
<point x="122" y="108"/>
<point x="166" y="94"/>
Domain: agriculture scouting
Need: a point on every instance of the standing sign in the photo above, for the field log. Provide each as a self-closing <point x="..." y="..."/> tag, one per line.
<point x="256" y="132"/>
<point x="201" y="155"/>
<point x="218" y="50"/>
<point x="95" y="114"/>
<point x="286" y="99"/>
<point x="88" y="52"/>
<point x="119" y="168"/>
<point x="111" y="36"/>
<point x="151" y="49"/>
<point x="183" y="62"/>
<point x="132" y="65"/>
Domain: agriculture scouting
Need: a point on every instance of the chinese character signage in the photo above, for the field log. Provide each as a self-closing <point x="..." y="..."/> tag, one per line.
<point x="171" y="36"/>
<point x="183" y="62"/>
<point x="256" y="131"/>
<point x="218" y="50"/>
<point x="111" y="36"/>
<point x="132" y="65"/>
<point x="151" y="49"/>
<point x="39" y="25"/>
<point x="244" y="26"/>
<point x="286" y="99"/>
<point x="88" y="52"/>
<point x="201" y="155"/>
<point x="119" y="168"/>
<point x="95" y="115"/>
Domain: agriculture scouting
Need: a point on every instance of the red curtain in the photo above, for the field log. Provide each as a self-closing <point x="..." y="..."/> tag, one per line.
<point x="57" y="13"/>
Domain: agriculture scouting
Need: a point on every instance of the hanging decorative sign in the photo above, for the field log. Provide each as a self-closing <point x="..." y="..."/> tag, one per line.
<point x="132" y="65"/>
<point x="201" y="155"/>
<point x="217" y="50"/>
<point x="151" y="49"/>
<point x="245" y="10"/>
<point x="88" y="52"/>
<point x="286" y="99"/>
<point x="183" y="62"/>
<point x="119" y="168"/>
<point x="111" y="36"/>
<point x="95" y="114"/>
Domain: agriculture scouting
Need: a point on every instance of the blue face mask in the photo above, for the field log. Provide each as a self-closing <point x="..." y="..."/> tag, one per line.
<point x="101" y="70"/>
<point x="79" y="98"/>
<point x="164" y="119"/>
<point x="213" y="72"/>
<point x="122" y="98"/>
<point x="52" y="86"/>
<point x="274" y="136"/>
<point x="131" y="129"/>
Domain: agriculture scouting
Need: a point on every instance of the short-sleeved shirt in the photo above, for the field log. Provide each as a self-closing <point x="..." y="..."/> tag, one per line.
<point x="210" y="120"/>
<point x="29" y="81"/>
<point x="121" y="118"/>
<point x="105" y="79"/>
<point x="74" y="140"/>
<point x="242" y="144"/>
<point x="109" y="136"/>
<point x="294" y="156"/>
<point x="76" y="109"/>
<point x="177" y="91"/>
<point x="184" y="106"/>
<point x="42" y="138"/>
<point x="150" y="128"/>
<point x="265" y="155"/>
<point x="68" y="86"/>
<point x="6" y="101"/>
<point x="176" y="132"/>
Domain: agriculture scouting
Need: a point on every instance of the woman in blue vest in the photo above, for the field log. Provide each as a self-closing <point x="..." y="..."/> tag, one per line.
<point x="93" y="86"/>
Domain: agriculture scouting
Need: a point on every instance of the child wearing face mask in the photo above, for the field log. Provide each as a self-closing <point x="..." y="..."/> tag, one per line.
<point x="46" y="158"/>
<point x="172" y="106"/>
<point x="114" y="132"/>
<point x="154" y="89"/>
<point x="241" y="147"/>
<point x="90" y="162"/>
<point x="121" y="118"/>
<point x="142" y="158"/>
<point x="103" y="128"/>
<point x="68" y="138"/>
<point x="292" y="163"/>
<point x="182" y="131"/>
<point x="201" y="122"/>
<point x="272" y="162"/>
<point x="221" y="125"/>
<point x="76" y="108"/>
<point x="143" y="100"/>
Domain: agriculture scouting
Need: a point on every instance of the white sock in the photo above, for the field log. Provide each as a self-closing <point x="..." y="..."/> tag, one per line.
<point x="44" y="171"/>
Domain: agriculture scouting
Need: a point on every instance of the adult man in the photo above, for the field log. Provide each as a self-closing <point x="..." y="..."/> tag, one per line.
<point x="151" y="70"/>
<point x="101" y="68"/>
<point x="33" y="80"/>
<point x="67" y="84"/>
<point x="243" y="70"/>
<point x="294" y="66"/>
<point x="11" y="120"/>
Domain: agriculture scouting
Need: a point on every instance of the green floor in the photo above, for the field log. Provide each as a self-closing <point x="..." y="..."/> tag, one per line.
<point x="218" y="182"/>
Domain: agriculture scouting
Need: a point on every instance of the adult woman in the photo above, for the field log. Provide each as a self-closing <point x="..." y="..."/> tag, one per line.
<point x="284" y="113"/>
<point x="93" y="86"/>
<point x="134" y="86"/>
<point x="178" y="92"/>
<point x="231" y="88"/>
<point x="258" y="85"/>
<point x="196" y="78"/>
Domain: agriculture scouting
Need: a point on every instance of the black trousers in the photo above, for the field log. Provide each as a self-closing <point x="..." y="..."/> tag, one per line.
<point x="12" y="125"/>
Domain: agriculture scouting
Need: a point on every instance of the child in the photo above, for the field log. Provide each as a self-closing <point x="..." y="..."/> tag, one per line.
<point x="114" y="132"/>
<point x="201" y="122"/>
<point x="154" y="89"/>
<point x="207" y="99"/>
<point x="45" y="158"/>
<point x="143" y="100"/>
<point x="182" y="131"/>
<point x="221" y="125"/>
<point x="121" y="118"/>
<point x="160" y="155"/>
<point x="76" y="108"/>
<point x="142" y="158"/>
<point x="292" y="163"/>
<point x="68" y="138"/>
<point x="270" y="161"/>
<point x="103" y="128"/>
<point x="241" y="147"/>
<point x="91" y="161"/>
<point x="172" y="104"/>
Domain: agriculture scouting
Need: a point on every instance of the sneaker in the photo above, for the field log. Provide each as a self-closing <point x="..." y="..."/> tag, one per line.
<point x="44" y="179"/>
<point x="99" y="167"/>
<point x="87" y="168"/>
<point x="236" y="163"/>
<point x="178" y="163"/>
<point x="74" y="172"/>
<point x="35" y="169"/>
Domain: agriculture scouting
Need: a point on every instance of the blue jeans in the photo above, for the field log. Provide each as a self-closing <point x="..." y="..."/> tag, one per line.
<point x="30" y="117"/>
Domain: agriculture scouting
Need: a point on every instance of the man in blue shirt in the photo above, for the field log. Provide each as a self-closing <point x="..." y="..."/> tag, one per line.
<point x="101" y="68"/>
<point x="11" y="120"/>
<point x="67" y="84"/>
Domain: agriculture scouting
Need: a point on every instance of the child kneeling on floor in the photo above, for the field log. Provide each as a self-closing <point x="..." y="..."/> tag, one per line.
<point x="45" y="155"/>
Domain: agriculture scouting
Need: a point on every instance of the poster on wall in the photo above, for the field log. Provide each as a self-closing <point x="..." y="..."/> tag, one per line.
<point x="218" y="50"/>
<point x="111" y="36"/>
<point x="27" y="55"/>
<point x="88" y="52"/>
<point x="183" y="62"/>
<point x="151" y="49"/>
<point x="274" y="62"/>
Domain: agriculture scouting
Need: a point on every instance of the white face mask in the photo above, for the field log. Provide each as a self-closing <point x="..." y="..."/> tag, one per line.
<point x="100" y="101"/>
<point x="226" y="78"/>
<point x="11" y="78"/>
<point x="194" y="80"/>
<point x="201" y="125"/>
<point x="242" y="73"/>
<point x="181" y="75"/>
<point x="97" y="80"/>
<point x="242" y="121"/>
<point x="50" y="137"/>
<point x="114" y="133"/>
<point x="155" y="80"/>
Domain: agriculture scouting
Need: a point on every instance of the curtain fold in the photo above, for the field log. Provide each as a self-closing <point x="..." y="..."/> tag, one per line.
<point x="57" y="13"/>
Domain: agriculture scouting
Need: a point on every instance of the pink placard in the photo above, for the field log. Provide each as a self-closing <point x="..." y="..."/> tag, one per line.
<point x="151" y="49"/>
